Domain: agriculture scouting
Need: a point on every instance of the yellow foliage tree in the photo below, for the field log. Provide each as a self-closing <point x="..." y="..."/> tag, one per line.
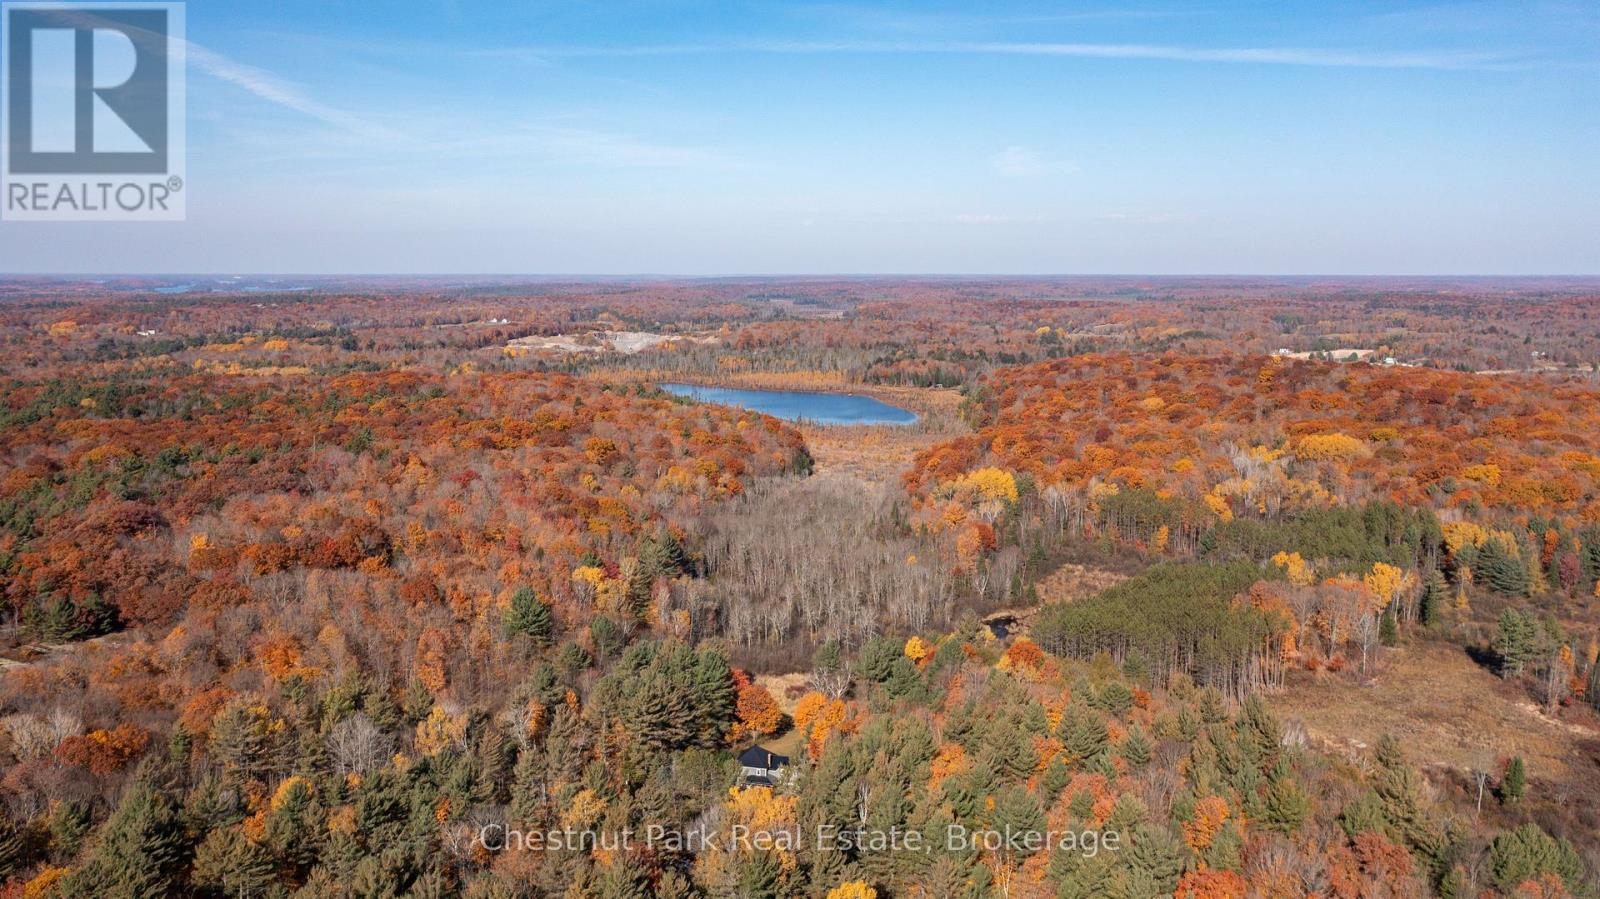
<point x="853" y="889"/>
<point x="916" y="649"/>
<point x="1387" y="582"/>
<point x="44" y="883"/>
<point x="1462" y="533"/>
<point x="1219" y="506"/>
<point x="988" y="484"/>
<point x="1296" y="568"/>
<point x="585" y="808"/>
<point x="1329" y="447"/>
<point x="440" y="731"/>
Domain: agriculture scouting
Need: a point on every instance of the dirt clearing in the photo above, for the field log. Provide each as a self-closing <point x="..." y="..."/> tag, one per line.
<point x="1446" y="710"/>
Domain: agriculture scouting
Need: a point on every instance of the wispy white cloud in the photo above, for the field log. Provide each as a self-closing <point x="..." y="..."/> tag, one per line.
<point x="989" y="218"/>
<point x="1285" y="56"/>
<point x="580" y="145"/>
<point x="869" y="19"/>
<point x="1019" y="162"/>
<point x="277" y="91"/>
<point x="562" y="143"/>
<point x="1146" y="218"/>
<point x="547" y="54"/>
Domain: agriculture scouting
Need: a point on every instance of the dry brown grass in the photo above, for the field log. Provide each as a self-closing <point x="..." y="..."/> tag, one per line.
<point x="786" y="689"/>
<point x="880" y="454"/>
<point x="1071" y="582"/>
<point x="1446" y="710"/>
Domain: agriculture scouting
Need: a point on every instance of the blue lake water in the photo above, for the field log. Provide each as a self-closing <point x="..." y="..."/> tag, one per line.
<point x="799" y="405"/>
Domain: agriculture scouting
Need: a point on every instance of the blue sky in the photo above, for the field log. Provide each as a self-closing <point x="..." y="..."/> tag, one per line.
<point x="715" y="138"/>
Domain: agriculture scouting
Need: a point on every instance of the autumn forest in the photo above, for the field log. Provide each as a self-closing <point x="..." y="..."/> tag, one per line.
<point x="1242" y="587"/>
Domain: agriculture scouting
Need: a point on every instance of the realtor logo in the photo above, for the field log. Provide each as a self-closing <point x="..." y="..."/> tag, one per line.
<point x="93" y="119"/>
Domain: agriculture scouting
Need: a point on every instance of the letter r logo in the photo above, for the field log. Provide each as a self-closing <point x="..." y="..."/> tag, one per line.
<point x="87" y="89"/>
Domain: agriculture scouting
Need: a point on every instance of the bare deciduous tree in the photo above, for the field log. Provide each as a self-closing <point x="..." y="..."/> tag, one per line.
<point x="358" y="745"/>
<point x="825" y="559"/>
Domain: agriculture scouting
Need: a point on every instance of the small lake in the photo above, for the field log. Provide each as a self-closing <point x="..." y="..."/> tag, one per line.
<point x="799" y="405"/>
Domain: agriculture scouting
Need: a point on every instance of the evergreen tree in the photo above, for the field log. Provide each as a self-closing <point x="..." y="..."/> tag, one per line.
<point x="179" y="745"/>
<point x="572" y="659"/>
<point x="1055" y="778"/>
<point x="209" y="806"/>
<point x="605" y="636"/>
<point x="1435" y="597"/>
<point x="674" y="560"/>
<point x="1136" y="747"/>
<point x="495" y="760"/>
<point x="1516" y="642"/>
<point x="1453" y="885"/>
<point x="1528" y="853"/>
<point x="1260" y="735"/>
<point x="760" y="875"/>
<point x="528" y="615"/>
<point x="414" y="705"/>
<point x="1515" y="782"/>
<point x="1287" y="806"/>
<point x="69" y="823"/>
<point x="1155" y="861"/>
<point x="1115" y="698"/>
<point x="661" y="714"/>
<point x="622" y="879"/>
<point x="528" y="788"/>
<point x="876" y="660"/>
<point x="56" y="620"/>
<point x="1404" y="797"/>
<point x="673" y="885"/>
<point x="94" y="616"/>
<point x="1502" y="568"/>
<point x="228" y="865"/>
<point x="1083" y="734"/>
<point x="1127" y="814"/>
<point x="1226" y="848"/>
<point x="1212" y="708"/>
<point x="137" y="853"/>
<point x="241" y="739"/>
<point x="295" y="826"/>
<point x="1363" y="814"/>
<point x="1081" y="804"/>
<point x="13" y="847"/>
<point x="714" y="697"/>
<point x="904" y="680"/>
<point x="1016" y="816"/>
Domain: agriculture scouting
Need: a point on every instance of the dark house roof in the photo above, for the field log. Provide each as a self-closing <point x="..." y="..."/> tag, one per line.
<point x="762" y="757"/>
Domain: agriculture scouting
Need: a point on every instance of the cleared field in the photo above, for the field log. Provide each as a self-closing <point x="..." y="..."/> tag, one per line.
<point x="627" y="342"/>
<point x="1447" y="711"/>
